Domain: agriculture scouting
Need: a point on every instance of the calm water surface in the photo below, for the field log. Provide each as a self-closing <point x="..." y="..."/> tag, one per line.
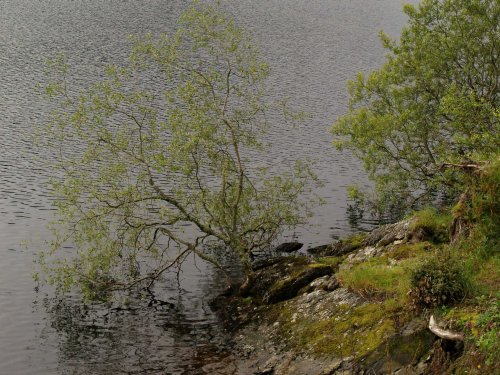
<point x="314" y="47"/>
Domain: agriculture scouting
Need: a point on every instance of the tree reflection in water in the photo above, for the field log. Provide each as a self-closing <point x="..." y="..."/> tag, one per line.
<point x="172" y="331"/>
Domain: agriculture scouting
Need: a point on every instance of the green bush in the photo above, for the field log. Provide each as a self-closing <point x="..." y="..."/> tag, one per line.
<point x="438" y="281"/>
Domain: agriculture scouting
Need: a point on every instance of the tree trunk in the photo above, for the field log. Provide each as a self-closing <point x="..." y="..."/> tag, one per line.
<point x="460" y="225"/>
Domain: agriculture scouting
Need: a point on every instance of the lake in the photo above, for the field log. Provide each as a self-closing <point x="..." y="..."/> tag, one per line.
<point x="313" y="48"/>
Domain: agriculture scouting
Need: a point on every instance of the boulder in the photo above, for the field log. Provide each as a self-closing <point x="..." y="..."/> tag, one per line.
<point x="282" y="278"/>
<point x="387" y="234"/>
<point x="288" y="247"/>
<point x="289" y="287"/>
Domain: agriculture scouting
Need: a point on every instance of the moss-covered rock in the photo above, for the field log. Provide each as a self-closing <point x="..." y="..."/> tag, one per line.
<point x="401" y="350"/>
<point x="283" y="278"/>
<point x="289" y="286"/>
<point x="348" y="329"/>
<point x="340" y="248"/>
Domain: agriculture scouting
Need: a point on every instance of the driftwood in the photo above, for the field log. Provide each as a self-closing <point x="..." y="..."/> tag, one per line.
<point x="465" y="166"/>
<point x="443" y="333"/>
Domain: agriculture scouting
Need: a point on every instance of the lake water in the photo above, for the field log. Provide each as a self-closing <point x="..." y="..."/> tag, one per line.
<point x="313" y="47"/>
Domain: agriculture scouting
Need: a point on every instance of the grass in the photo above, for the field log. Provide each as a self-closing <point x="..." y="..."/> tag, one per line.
<point x="332" y="261"/>
<point x="377" y="278"/>
<point x="432" y="225"/>
<point x="411" y="250"/>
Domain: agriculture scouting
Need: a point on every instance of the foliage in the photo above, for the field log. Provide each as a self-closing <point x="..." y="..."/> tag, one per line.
<point x="157" y="159"/>
<point x="485" y="206"/>
<point x="435" y="101"/>
<point x="479" y="245"/>
<point x="488" y="337"/>
<point x="439" y="280"/>
<point x="481" y="324"/>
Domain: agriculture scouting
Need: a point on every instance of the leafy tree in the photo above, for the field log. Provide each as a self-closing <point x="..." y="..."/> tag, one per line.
<point x="158" y="160"/>
<point x="433" y="104"/>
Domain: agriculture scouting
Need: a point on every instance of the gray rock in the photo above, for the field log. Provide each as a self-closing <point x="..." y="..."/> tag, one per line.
<point x="387" y="234"/>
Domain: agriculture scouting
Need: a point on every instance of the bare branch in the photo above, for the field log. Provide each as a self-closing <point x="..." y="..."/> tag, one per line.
<point x="443" y="333"/>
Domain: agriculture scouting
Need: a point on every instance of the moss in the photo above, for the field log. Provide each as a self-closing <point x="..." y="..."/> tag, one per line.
<point x="246" y="300"/>
<point x="411" y="347"/>
<point x="400" y="351"/>
<point x="318" y="265"/>
<point x="348" y="331"/>
<point x="461" y="317"/>
<point x="354" y="241"/>
<point x="300" y="269"/>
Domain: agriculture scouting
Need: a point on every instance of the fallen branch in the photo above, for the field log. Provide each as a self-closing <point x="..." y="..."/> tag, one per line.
<point x="465" y="166"/>
<point x="443" y="333"/>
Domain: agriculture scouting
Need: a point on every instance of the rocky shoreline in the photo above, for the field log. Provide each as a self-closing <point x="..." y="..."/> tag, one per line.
<point x="301" y="317"/>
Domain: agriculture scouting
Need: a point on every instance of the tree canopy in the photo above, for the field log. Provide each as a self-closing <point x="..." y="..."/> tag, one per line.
<point x="435" y="101"/>
<point x="158" y="159"/>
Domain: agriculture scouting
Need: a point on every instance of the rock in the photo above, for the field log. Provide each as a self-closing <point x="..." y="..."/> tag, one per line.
<point x="387" y="234"/>
<point x="342" y="247"/>
<point x="223" y="367"/>
<point x="319" y="250"/>
<point x="362" y="255"/>
<point x="267" y="262"/>
<point x="315" y="285"/>
<point x="414" y="326"/>
<point x="327" y="283"/>
<point x="268" y="274"/>
<point x="289" y="247"/>
<point x="343" y="296"/>
<point x="318" y="322"/>
<point x="332" y="368"/>
<point x="332" y="284"/>
<point x="379" y="237"/>
<point x="402" y="351"/>
<point x="266" y="371"/>
<point x="309" y="297"/>
<point x="289" y="287"/>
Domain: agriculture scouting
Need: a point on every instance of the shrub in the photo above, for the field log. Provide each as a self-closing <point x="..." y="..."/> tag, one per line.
<point x="438" y="281"/>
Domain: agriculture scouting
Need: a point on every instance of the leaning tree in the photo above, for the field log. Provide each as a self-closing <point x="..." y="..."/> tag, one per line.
<point x="158" y="160"/>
